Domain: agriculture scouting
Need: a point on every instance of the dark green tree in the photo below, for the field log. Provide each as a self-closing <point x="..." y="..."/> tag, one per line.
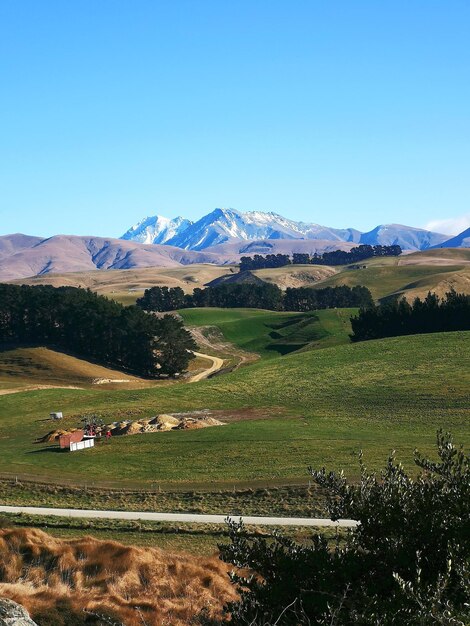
<point x="393" y="318"/>
<point x="407" y="563"/>
<point x="83" y="323"/>
<point x="299" y="258"/>
<point x="162" y="299"/>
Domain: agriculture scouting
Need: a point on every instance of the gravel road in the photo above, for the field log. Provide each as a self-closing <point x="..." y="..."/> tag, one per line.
<point x="194" y="518"/>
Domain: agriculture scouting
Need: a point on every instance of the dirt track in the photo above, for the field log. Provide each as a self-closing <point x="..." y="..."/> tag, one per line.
<point x="217" y="364"/>
<point x="6" y="392"/>
<point x="235" y="358"/>
<point x="211" y="337"/>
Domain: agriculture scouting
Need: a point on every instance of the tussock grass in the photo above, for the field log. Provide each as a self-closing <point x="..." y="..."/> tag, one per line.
<point x="51" y="576"/>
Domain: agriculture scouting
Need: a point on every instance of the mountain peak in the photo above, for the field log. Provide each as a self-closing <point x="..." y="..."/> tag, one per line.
<point x="224" y="225"/>
<point x="156" y="229"/>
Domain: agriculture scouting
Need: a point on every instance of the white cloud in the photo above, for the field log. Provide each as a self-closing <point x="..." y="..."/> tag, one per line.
<point x="452" y="226"/>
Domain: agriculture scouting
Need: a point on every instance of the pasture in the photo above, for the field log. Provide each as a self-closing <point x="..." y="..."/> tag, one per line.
<point x="274" y="333"/>
<point x="316" y="407"/>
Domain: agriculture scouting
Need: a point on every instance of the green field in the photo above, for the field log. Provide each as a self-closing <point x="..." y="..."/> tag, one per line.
<point x="318" y="407"/>
<point x="273" y="333"/>
<point x="387" y="280"/>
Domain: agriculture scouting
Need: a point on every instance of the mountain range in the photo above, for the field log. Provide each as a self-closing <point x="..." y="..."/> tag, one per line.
<point x="22" y="256"/>
<point x="227" y="226"/>
<point x="220" y="237"/>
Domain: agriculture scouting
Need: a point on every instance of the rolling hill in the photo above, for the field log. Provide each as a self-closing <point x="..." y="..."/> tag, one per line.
<point x="26" y="256"/>
<point x="411" y="274"/>
<point x="41" y="368"/>
<point x="126" y="286"/>
<point x="319" y="407"/>
<point x="273" y="333"/>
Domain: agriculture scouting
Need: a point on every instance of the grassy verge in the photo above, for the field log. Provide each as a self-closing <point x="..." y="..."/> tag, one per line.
<point x="295" y="501"/>
<point x="197" y="539"/>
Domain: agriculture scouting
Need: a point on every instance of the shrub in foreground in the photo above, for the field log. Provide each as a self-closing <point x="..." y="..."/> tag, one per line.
<point x="406" y="563"/>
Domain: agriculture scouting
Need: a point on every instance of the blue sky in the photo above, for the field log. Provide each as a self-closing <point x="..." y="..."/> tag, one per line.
<point x="346" y="113"/>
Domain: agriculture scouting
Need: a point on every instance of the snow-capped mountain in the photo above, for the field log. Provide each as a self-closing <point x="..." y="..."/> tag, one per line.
<point x="223" y="225"/>
<point x="228" y="225"/>
<point x="156" y="229"/>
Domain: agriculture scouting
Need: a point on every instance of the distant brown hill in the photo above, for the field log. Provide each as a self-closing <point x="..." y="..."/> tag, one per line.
<point x="11" y="244"/>
<point x="22" y="256"/>
<point x="239" y="278"/>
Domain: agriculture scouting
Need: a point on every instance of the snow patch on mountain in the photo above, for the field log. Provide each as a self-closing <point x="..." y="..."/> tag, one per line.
<point x="156" y="229"/>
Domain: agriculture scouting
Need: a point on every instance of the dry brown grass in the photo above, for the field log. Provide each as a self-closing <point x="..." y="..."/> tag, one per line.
<point x="127" y="285"/>
<point x="29" y="368"/>
<point x="137" y="586"/>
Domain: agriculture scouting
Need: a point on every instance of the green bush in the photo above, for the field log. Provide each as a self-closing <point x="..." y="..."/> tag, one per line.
<point x="406" y="564"/>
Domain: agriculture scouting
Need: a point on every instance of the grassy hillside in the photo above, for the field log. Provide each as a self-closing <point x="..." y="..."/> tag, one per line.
<point x="26" y="368"/>
<point x="272" y="333"/>
<point x="386" y="280"/>
<point x="317" y="407"/>
<point x="411" y="275"/>
<point x="415" y="274"/>
<point x="126" y="286"/>
<point x="296" y="275"/>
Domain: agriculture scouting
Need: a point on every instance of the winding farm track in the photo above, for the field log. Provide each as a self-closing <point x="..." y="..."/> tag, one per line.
<point x="190" y="518"/>
<point x="217" y="364"/>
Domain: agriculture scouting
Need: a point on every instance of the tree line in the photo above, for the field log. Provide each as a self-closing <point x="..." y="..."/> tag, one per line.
<point x="431" y="315"/>
<point x="336" y="257"/>
<point x="86" y="324"/>
<point x="259" y="296"/>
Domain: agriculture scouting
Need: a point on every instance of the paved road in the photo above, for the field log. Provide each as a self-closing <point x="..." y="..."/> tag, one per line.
<point x="217" y="364"/>
<point x="194" y="518"/>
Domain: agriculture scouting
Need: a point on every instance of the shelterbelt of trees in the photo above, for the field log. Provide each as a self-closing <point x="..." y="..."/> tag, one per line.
<point x="431" y="315"/>
<point x="91" y="326"/>
<point x="258" y="296"/>
<point x="336" y="257"/>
